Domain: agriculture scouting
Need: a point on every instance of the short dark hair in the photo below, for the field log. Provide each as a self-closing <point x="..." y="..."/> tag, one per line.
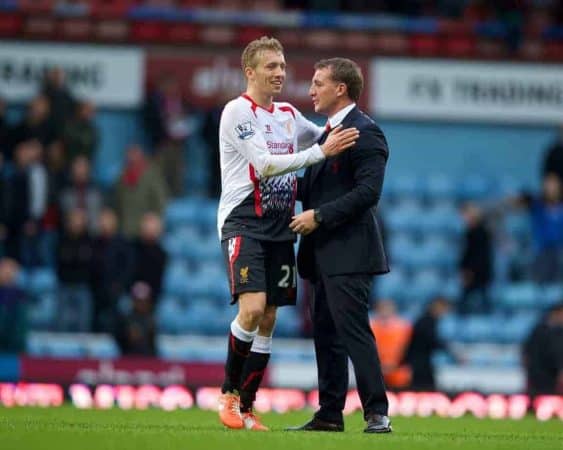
<point x="344" y="70"/>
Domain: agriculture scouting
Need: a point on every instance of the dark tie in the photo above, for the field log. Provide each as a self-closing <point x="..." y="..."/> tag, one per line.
<point x="327" y="128"/>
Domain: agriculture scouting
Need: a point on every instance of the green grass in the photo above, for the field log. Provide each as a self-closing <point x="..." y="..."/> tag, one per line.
<point x="69" y="428"/>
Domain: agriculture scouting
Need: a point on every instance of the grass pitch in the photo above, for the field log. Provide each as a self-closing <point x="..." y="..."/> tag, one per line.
<point x="68" y="428"/>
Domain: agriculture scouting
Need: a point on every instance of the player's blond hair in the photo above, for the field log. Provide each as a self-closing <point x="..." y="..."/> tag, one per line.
<point x="252" y="52"/>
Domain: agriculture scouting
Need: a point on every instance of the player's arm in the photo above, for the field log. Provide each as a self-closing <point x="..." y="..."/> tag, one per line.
<point x="307" y="131"/>
<point x="240" y="129"/>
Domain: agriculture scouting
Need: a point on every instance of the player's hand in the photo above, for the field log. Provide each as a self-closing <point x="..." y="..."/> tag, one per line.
<point x="304" y="223"/>
<point x="339" y="140"/>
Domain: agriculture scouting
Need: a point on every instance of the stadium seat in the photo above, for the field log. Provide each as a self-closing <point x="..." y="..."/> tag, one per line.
<point x="102" y="346"/>
<point x="551" y="294"/>
<point x="439" y="187"/>
<point x="403" y="219"/>
<point x="520" y="296"/>
<point x="515" y="329"/>
<point x="406" y="186"/>
<point x="288" y="322"/>
<point x="42" y="280"/>
<point x="64" y="346"/>
<point x="176" y="277"/>
<point x="474" y="188"/>
<point x="424" y="285"/>
<point x="390" y="286"/>
<point x="42" y="311"/>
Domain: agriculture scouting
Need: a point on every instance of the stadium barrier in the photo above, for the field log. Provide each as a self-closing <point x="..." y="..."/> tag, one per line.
<point x="174" y="397"/>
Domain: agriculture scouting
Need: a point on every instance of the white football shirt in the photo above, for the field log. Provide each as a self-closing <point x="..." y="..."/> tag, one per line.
<point x="259" y="153"/>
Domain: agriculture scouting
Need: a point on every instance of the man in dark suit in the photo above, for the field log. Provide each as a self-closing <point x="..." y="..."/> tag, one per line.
<point x="341" y="249"/>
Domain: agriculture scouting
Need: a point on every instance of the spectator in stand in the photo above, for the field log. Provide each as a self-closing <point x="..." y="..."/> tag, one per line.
<point x="136" y="332"/>
<point x="210" y="133"/>
<point x="74" y="262"/>
<point x="60" y="98"/>
<point x="4" y="132"/>
<point x="3" y="206"/>
<point x="140" y="190"/>
<point x="112" y="266"/>
<point x="546" y="214"/>
<point x="150" y="257"/>
<point x="81" y="192"/>
<point x="476" y="263"/>
<point x="26" y="198"/>
<point x="553" y="162"/>
<point x="424" y="342"/>
<point x="12" y="309"/>
<point x="392" y="335"/>
<point x="542" y="354"/>
<point x="169" y="124"/>
<point x="36" y="124"/>
<point x="80" y="134"/>
<point x="55" y="163"/>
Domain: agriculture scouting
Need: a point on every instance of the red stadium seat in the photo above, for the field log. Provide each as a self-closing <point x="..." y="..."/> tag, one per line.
<point x="111" y="8"/>
<point x="10" y="24"/>
<point x="37" y="6"/>
<point x="247" y="34"/>
<point x="554" y="50"/>
<point x="148" y="31"/>
<point x="424" y="45"/>
<point x="459" y="46"/>
<point x="182" y="32"/>
<point x="75" y="28"/>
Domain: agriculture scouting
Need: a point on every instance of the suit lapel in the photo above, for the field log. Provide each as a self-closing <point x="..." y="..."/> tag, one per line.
<point x="319" y="167"/>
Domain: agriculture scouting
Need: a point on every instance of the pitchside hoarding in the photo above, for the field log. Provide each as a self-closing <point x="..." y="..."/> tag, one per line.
<point x="467" y="91"/>
<point x="110" y="76"/>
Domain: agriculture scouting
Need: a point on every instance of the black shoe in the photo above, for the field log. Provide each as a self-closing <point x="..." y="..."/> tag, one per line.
<point x="378" y="423"/>
<point x="316" y="424"/>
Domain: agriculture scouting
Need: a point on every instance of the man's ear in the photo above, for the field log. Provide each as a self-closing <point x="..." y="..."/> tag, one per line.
<point x="248" y="72"/>
<point x="341" y="90"/>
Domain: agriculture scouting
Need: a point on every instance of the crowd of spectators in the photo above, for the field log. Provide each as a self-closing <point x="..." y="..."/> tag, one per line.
<point x="100" y="242"/>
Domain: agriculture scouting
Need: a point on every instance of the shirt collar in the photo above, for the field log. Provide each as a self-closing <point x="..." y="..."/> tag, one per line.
<point x="337" y="118"/>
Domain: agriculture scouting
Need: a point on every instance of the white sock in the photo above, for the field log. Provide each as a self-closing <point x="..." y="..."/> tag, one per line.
<point x="262" y="344"/>
<point x="241" y="334"/>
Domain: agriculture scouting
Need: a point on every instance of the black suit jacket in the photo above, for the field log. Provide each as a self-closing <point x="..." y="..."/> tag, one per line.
<point x="346" y="189"/>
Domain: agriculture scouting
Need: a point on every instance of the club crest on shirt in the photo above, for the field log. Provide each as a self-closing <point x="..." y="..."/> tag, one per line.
<point x="244" y="130"/>
<point x="289" y="128"/>
<point x="244" y="275"/>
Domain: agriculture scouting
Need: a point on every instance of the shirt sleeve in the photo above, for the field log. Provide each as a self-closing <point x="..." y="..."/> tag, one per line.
<point x="307" y="132"/>
<point x="239" y="131"/>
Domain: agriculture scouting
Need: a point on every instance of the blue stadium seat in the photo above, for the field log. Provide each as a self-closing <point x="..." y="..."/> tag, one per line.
<point x="168" y="312"/>
<point x="42" y="311"/>
<point x="182" y="212"/>
<point x="102" y="346"/>
<point x="448" y="328"/>
<point x="519" y="296"/>
<point x="403" y="186"/>
<point x="391" y="285"/>
<point x="515" y="329"/>
<point x="441" y="219"/>
<point x="474" y="187"/>
<point x="403" y="218"/>
<point x="478" y="328"/>
<point x="42" y="280"/>
<point x="176" y="277"/>
<point x="439" y="187"/>
<point x="288" y="323"/>
<point x="551" y="294"/>
<point x="65" y="346"/>
<point x="424" y="285"/>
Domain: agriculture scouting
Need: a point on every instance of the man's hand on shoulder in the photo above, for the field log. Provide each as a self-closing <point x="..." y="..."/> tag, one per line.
<point x="338" y="140"/>
<point x="304" y="223"/>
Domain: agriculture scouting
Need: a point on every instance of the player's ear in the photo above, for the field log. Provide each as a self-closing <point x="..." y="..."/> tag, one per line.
<point x="248" y="72"/>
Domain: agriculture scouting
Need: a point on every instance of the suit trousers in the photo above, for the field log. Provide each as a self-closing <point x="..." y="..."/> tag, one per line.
<point x="341" y="330"/>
